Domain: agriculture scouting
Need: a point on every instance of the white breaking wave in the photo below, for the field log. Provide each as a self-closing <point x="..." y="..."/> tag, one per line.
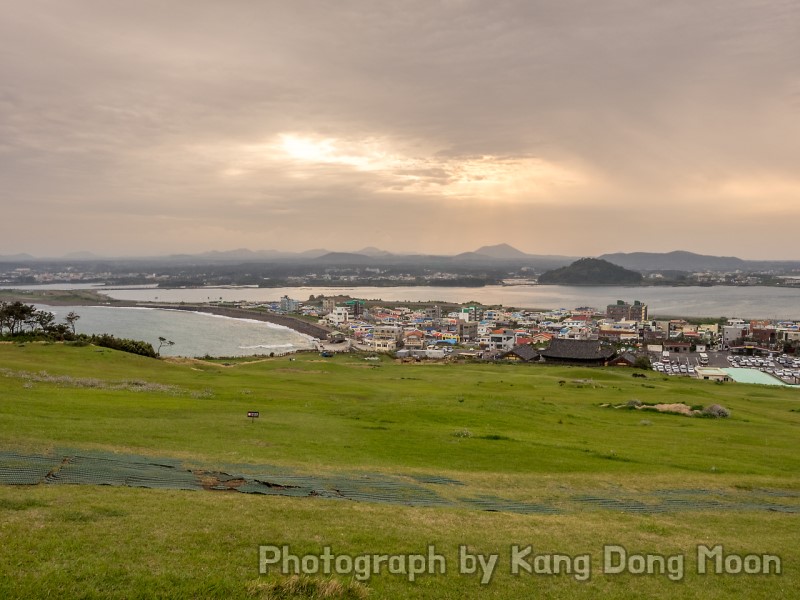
<point x="242" y="319"/>
<point x="267" y="346"/>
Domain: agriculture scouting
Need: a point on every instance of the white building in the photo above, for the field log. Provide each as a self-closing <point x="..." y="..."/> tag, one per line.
<point x="339" y="316"/>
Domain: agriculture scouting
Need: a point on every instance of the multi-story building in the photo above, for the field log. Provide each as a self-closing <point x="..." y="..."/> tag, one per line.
<point x="433" y="313"/>
<point x="732" y="335"/>
<point x="356" y="307"/>
<point x="501" y="339"/>
<point x="467" y="330"/>
<point x="328" y="305"/>
<point x="386" y="337"/>
<point x="288" y="305"/>
<point x="339" y="316"/>
<point x="622" y="311"/>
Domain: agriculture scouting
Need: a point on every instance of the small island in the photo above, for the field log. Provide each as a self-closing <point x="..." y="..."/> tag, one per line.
<point x="591" y="271"/>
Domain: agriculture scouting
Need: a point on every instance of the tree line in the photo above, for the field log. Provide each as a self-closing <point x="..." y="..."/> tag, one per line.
<point x="25" y="321"/>
<point x="17" y="318"/>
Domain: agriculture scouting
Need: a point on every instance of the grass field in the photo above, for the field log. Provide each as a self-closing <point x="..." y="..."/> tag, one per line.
<point x="515" y="434"/>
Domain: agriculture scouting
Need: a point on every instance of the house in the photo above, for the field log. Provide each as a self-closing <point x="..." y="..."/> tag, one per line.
<point x="521" y="353"/>
<point x="337" y="337"/>
<point x="677" y="347"/>
<point x="579" y="320"/>
<point x="414" y="340"/>
<point x="619" y="331"/>
<point x="541" y="338"/>
<point x="711" y="373"/>
<point x="626" y="359"/>
<point x="577" y="352"/>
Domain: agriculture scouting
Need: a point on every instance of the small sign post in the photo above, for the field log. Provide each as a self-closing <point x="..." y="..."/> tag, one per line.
<point x="253" y="414"/>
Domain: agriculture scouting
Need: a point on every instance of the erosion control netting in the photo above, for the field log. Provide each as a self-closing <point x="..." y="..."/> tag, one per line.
<point x="131" y="471"/>
<point x="105" y="468"/>
<point x="30" y="469"/>
<point x="670" y="501"/>
<point x="364" y="487"/>
<point x="436" y="479"/>
<point x="495" y="504"/>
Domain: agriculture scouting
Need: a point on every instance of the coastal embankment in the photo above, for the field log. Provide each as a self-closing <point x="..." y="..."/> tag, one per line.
<point x="311" y="329"/>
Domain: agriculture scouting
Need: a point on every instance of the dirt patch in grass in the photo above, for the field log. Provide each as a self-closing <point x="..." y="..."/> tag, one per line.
<point x="218" y="481"/>
<point x="675" y="408"/>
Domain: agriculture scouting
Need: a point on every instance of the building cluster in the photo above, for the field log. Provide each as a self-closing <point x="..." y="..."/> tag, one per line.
<point x="493" y="332"/>
<point x="29" y="275"/>
<point x="738" y="334"/>
<point x="489" y="330"/>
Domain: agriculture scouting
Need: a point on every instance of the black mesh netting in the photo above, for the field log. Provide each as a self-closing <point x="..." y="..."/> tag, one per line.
<point x="106" y="468"/>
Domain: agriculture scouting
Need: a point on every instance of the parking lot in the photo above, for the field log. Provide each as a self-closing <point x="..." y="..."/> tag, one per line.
<point x="782" y="367"/>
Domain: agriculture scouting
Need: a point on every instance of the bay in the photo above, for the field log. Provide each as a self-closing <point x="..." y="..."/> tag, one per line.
<point x="194" y="334"/>
<point x="754" y="302"/>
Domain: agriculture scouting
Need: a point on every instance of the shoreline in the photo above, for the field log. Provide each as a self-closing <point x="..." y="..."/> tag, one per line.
<point x="93" y="297"/>
<point x="310" y="329"/>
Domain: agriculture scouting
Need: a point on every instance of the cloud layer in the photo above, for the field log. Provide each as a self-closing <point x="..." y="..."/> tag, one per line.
<point x="568" y="128"/>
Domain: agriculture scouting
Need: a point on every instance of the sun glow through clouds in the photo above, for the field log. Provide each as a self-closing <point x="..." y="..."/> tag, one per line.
<point x="307" y="149"/>
<point x="487" y="177"/>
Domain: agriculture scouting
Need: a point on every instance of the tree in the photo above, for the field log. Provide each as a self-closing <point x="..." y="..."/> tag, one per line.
<point x="162" y="341"/>
<point x="45" y="320"/>
<point x="15" y="315"/>
<point x="4" y="317"/>
<point x="70" y="319"/>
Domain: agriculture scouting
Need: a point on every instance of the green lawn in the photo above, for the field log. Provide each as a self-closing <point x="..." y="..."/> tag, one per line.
<point x="514" y="432"/>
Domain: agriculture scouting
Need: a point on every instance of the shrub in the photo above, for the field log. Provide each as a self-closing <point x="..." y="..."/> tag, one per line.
<point x="304" y="586"/>
<point x="125" y="345"/>
<point x="716" y="411"/>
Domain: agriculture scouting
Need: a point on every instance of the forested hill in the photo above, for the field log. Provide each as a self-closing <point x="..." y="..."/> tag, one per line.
<point x="591" y="271"/>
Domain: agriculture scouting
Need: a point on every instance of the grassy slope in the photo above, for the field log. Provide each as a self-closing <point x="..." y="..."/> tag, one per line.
<point x="344" y="414"/>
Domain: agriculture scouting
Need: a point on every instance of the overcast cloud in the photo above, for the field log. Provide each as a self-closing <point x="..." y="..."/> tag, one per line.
<point x="568" y="127"/>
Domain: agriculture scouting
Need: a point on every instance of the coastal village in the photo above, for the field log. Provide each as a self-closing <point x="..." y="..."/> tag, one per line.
<point x="622" y="334"/>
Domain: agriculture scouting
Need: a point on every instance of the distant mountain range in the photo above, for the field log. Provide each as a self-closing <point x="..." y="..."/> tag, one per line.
<point x="501" y="251"/>
<point x="486" y="255"/>
<point x="678" y="260"/>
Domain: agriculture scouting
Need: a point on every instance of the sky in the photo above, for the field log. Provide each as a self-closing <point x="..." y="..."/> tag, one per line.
<point x="571" y="127"/>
